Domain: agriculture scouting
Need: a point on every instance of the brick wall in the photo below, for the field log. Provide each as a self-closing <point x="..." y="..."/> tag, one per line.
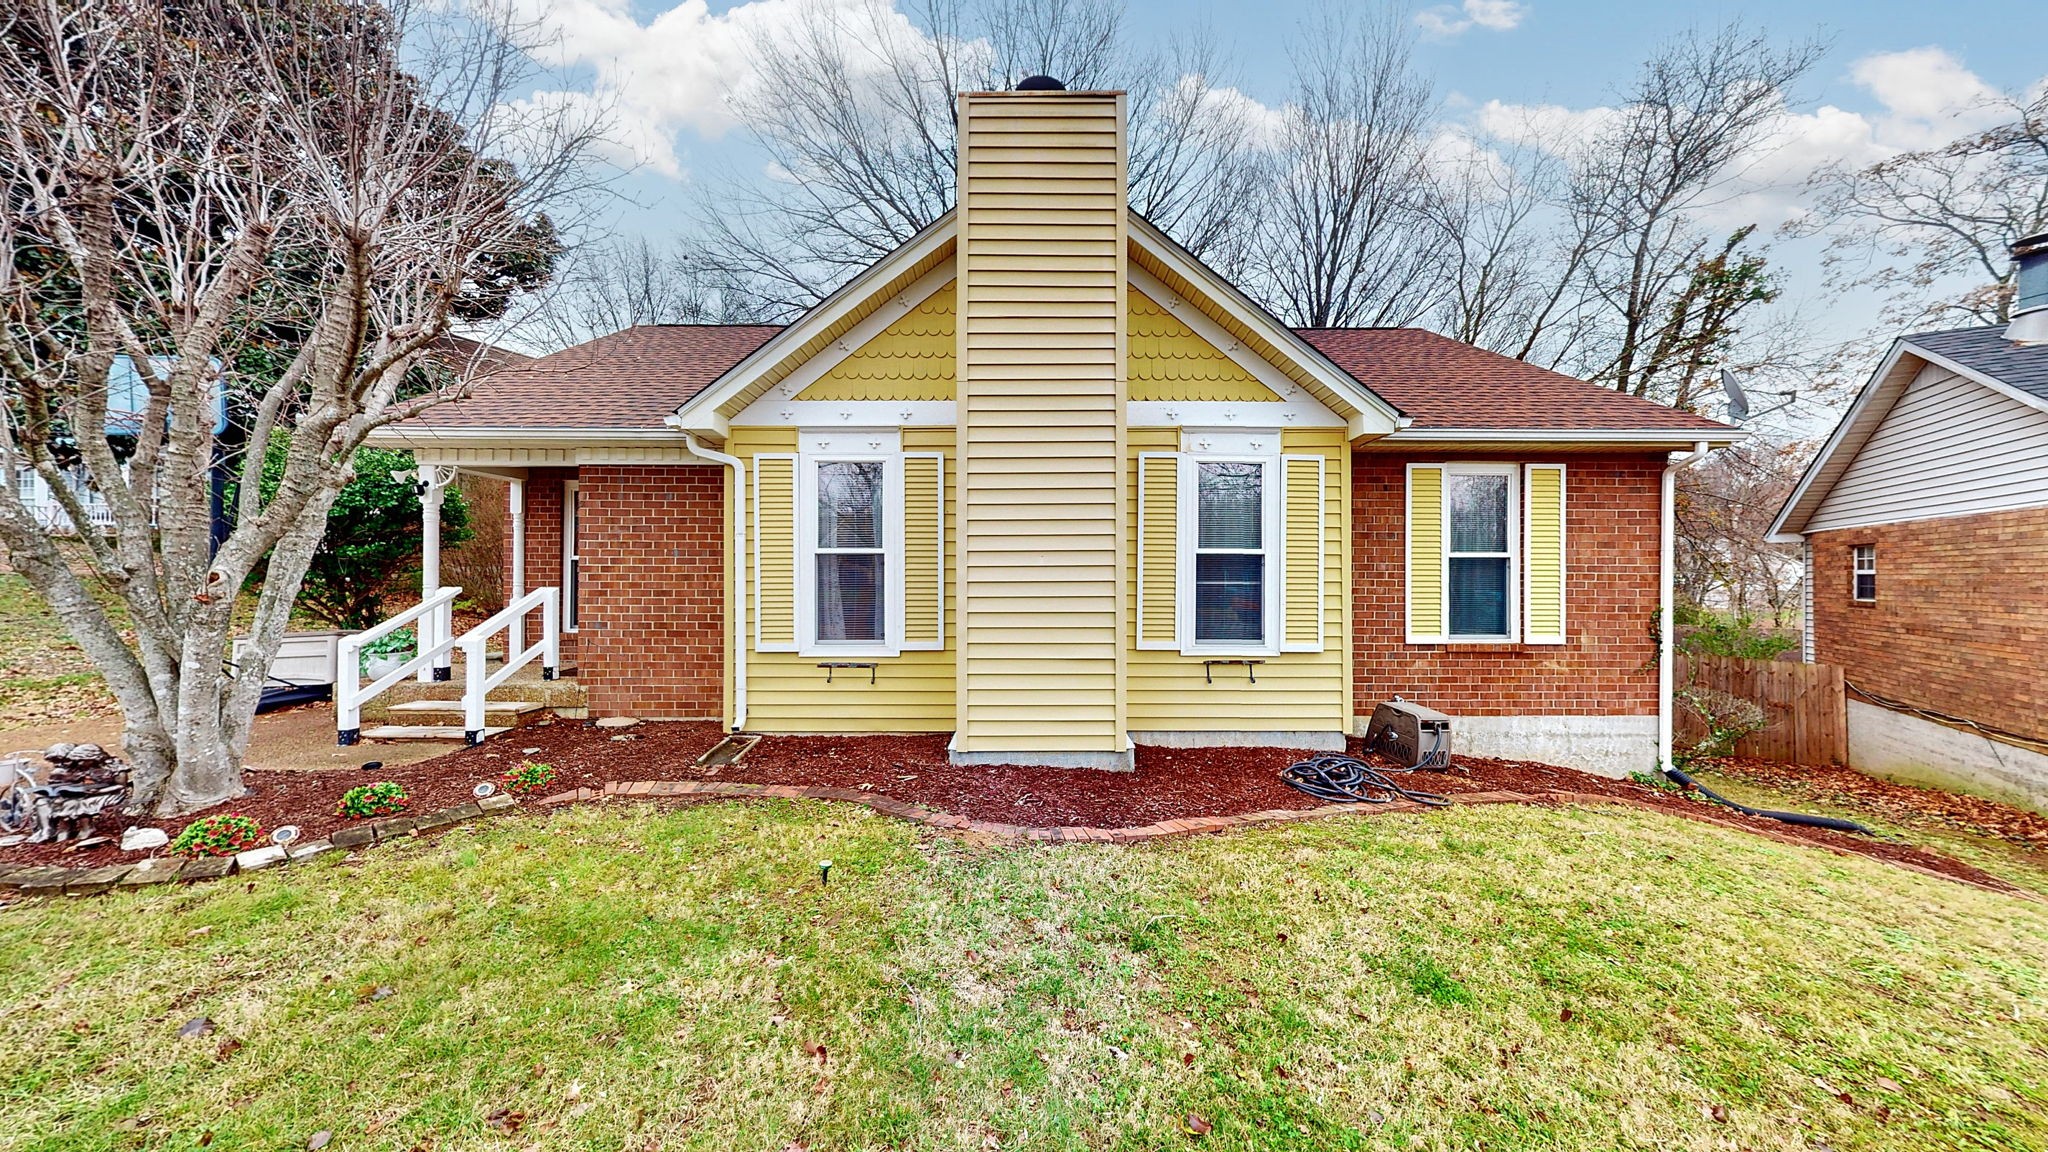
<point x="1605" y="666"/>
<point x="1960" y="621"/>
<point x="653" y="602"/>
<point x="543" y="544"/>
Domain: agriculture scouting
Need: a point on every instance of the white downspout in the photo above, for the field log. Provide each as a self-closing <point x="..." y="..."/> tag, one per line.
<point x="432" y="490"/>
<point x="1667" y="625"/>
<point x="739" y="573"/>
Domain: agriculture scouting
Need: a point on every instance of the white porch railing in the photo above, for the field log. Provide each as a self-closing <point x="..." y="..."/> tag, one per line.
<point x="436" y="633"/>
<point x="476" y="686"/>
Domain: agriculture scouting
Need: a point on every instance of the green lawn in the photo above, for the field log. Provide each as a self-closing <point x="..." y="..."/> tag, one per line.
<point x="632" y="978"/>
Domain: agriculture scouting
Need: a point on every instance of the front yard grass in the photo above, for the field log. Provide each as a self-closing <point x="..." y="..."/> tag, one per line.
<point x="625" y="977"/>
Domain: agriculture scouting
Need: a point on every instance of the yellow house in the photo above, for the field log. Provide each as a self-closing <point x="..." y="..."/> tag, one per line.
<point x="1042" y="480"/>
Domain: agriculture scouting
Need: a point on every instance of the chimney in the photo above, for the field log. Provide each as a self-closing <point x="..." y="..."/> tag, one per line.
<point x="1040" y="373"/>
<point x="2030" y="310"/>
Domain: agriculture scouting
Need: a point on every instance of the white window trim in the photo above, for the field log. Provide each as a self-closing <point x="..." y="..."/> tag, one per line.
<point x="1857" y="570"/>
<point x="1514" y="552"/>
<point x="806" y="589"/>
<point x="572" y="551"/>
<point x="1188" y="529"/>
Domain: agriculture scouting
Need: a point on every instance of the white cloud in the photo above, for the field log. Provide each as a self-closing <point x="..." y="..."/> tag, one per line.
<point x="1928" y="96"/>
<point x="1546" y="126"/>
<point x="1447" y="20"/>
<point x="684" y="69"/>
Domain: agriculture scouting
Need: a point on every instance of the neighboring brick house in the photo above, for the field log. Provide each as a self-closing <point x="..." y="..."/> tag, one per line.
<point x="1042" y="480"/>
<point x="1924" y="522"/>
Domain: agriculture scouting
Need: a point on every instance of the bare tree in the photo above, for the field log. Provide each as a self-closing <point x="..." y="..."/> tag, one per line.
<point x="610" y="285"/>
<point x="1501" y="272"/>
<point x="856" y="114"/>
<point x="1931" y="229"/>
<point x="1724" y="511"/>
<point x="1348" y="239"/>
<point x="1654" y="289"/>
<point x="282" y="202"/>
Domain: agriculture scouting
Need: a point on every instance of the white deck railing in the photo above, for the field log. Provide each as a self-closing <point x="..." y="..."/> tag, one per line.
<point x="436" y="635"/>
<point x="476" y="686"/>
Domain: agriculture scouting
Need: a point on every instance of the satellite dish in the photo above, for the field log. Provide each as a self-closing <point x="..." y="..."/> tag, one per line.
<point x="1738" y="399"/>
<point x="484" y="789"/>
<point x="285" y="835"/>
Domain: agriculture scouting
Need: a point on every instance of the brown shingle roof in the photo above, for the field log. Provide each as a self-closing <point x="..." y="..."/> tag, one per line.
<point x="638" y="377"/>
<point x="634" y="378"/>
<point x="1443" y="383"/>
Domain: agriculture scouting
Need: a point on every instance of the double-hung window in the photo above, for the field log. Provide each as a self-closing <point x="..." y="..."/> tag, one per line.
<point x="1863" y="574"/>
<point x="1480" y="530"/>
<point x="1229" y="533"/>
<point x="849" y="560"/>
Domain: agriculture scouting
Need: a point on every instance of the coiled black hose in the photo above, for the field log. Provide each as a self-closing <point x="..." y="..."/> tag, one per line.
<point x="1344" y="779"/>
<point x="1684" y="781"/>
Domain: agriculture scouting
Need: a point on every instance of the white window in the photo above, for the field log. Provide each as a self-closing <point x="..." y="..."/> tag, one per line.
<point x="1864" y="572"/>
<point x="850" y="555"/>
<point x="1480" y="535"/>
<point x="1230" y="556"/>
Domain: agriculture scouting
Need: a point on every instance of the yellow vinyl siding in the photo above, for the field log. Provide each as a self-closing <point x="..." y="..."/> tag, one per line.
<point x="1296" y="691"/>
<point x="1159" y="489"/>
<point x="1039" y="479"/>
<point x="1302" y="550"/>
<point x="911" y="359"/>
<point x="923" y="549"/>
<point x="774" y="510"/>
<point x="1426" y="551"/>
<point x="1543" y="622"/>
<point x="1170" y="361"/>
<point x="787" y="692"/>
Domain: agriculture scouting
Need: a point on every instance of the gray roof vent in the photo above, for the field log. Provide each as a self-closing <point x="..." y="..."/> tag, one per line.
<point x="2030" y="308"/>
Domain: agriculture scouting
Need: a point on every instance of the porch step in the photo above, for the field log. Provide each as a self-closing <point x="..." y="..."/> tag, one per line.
<point x="423" y="732"/>
<point x="454" y="707"/>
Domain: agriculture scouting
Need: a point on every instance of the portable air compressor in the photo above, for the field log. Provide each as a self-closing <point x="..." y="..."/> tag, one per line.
<point x="1415" y="736"/>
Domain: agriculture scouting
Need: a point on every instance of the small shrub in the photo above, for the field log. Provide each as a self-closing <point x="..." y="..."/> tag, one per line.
<point x="384" y="798"/>
<point x="1703" y="632"/>
<point x="529" y="777"/>
<point x="222" y="835"/>
<point x="1727" y="718"/>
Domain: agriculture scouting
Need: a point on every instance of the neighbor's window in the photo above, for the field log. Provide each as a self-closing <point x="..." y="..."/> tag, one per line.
<point x="850" y="552"/>
<point x="1479" y="505"/>
<point x="1232" y="553"/>
<point x="1865" y="568"/>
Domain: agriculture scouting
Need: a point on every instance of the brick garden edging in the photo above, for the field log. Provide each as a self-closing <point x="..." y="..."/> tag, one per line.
<point x="946" y="821"/>
<point x="49" y="880"/>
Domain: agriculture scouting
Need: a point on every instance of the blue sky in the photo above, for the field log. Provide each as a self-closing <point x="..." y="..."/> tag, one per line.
<point x="1897" y="75"/>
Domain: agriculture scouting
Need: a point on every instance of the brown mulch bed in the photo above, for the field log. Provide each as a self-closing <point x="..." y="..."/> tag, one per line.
<point x="1905" y="804"/>
<point x="1168" y="784"/>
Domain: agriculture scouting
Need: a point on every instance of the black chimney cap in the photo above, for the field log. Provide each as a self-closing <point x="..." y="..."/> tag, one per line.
<point x="1040" y="84"/>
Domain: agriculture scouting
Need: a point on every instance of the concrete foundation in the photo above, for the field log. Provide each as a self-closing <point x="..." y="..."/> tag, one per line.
<point x="1307" y="741"/>
<point x="1904" y="747"/>
<point x="1612" y="746"/>
<point x="1100" y="761"/>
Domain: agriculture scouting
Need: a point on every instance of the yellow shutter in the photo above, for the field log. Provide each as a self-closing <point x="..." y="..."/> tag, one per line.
<point x="1301" y="537"/>
<point x="1158" y="549"/>
<point x="924" y="551"/>
<point x="775" y="552"/>
<point x="1543" y="612"/>
<point x="1426" y="604"/>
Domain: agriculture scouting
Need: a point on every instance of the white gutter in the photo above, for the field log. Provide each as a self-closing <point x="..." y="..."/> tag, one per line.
<point x="1667" y="625"/>
<point x="739" y="571"/>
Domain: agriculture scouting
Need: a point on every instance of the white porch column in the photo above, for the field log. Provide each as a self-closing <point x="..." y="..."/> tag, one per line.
<point x="432" y="486"/>
<point x="515" y="500"/>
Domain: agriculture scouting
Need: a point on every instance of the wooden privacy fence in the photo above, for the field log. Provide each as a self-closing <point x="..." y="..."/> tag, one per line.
<point x="1807" y="710"/>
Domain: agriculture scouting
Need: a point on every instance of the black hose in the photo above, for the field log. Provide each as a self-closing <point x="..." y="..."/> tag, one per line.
<point x="1800" y="818"/>
<point x="1344" y="779"/>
